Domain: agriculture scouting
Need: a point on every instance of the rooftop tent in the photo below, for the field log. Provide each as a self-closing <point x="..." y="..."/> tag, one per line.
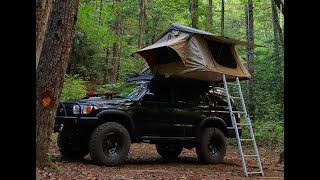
<point x="187" y="52"/>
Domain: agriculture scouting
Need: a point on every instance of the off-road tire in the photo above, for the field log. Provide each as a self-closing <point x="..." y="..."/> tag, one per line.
<point x="211" y="147"/>
<point x="109" y="144"/>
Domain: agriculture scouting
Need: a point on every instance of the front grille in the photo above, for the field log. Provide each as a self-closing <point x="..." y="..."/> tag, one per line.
<point x="68" y="109"/>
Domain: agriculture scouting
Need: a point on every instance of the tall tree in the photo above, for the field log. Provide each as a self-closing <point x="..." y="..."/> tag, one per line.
<point x="155" y="21"/>
<point x="141" y="21"/>
<point x="280" y="5"/>
<point x="276" y="34"/>
<point x="250" y="55"/>
<point x="209" y="16"/>
<point x="116" y="49"/>
<point x="276" y="24"/>
<point x="43" y="9"/>
<point x="222" y="17"/>
<point x="106" y="68"/>
<point x="193" y="8"/>
<point x="52" y="66"/>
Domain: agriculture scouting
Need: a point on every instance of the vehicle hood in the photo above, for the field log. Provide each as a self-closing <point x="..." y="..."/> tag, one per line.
<point x="104" y="103"/>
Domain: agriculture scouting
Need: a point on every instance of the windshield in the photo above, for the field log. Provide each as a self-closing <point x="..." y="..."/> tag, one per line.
<point x="132" y="90"/>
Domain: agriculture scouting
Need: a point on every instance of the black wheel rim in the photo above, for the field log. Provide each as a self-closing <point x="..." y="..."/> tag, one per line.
<point x="214" y="146"/>
<point x="111" y="144"/>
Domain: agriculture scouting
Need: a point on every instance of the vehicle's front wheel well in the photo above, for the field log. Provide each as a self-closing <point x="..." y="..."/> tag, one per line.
<point x="123" y="120"/>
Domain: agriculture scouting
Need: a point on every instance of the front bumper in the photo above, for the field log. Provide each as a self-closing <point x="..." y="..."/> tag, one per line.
<point x="73" y="122"/>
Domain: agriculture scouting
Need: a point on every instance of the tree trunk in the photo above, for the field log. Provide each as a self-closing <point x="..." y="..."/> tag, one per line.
<point x="276" y="48"/>
<point x="117" y="28"/>
<point x="106" y="69"/>
<point x="209" y="16"/>
<point x="155" y="20"/>
<point x="276" y="23"/>
<point x="141" y="22"/>
<point x="52" y="66"/>
<point x="193" y="8"/>
<point x="43" y="9"/>
<point x="250" y="55"/>
<point x="280" y="5"/>
<point x="222" y="17"/>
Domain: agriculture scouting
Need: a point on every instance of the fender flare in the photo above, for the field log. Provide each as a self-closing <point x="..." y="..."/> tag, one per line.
<point x="212" y="122"/>
<point x="117" y="112"/>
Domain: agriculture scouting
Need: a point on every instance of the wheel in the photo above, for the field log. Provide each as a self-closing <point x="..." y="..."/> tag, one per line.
<point x="109" y="144"/>
<point x="69" y="148"/>
<point x="211" y="146"/>
<point x="168" y="152"/>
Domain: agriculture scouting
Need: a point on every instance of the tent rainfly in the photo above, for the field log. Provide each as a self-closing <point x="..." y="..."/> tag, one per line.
<point x="191" y="53"/>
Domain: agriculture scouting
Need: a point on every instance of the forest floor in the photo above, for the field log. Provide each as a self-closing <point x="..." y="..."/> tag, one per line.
<point x="145" y="163"/>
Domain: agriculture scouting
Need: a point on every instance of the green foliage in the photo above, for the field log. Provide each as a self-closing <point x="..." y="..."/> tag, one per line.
<point x="269" y="133"/>
<point x="73" y="88"/>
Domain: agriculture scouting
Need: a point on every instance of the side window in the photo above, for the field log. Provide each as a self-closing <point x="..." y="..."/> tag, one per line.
<point x="209" y="99"/>
<point x="187" y="98"/>
<point x="161" y="94"/>
<point x="203" y="100"/>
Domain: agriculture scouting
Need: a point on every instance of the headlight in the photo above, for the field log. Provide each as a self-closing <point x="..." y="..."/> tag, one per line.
<point x="85" y="109"/>
<point x="76" y="109"/>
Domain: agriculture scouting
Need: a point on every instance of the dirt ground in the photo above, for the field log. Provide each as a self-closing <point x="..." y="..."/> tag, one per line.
<point x="145" y="163"/>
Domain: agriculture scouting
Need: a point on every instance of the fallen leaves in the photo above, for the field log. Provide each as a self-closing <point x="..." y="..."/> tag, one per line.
<point x="145" y="163"/>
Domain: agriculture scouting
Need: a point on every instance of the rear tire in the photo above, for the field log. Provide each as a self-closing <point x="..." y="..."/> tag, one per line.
<point x="211" y="147"/>
<point x="169" y="152"/>
<point x="109" y="144"/>
<point x="69" y="149"/>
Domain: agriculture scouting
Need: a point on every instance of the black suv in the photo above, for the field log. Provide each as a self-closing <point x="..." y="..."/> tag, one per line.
<point x="171" y="113"/>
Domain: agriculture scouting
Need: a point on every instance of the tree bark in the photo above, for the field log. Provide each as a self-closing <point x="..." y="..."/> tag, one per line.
<point x="250" y="55"/>
<point x="276" y="23"/>
<point x="276" y="46"/>
<point x="52" y="66"/>
<point x="280" y="5"/>
<point x="222" y="17"/>
<point x="193" y="8"/>
<point x="155" y="20"/>
<point x="209" y="16"/>
<point x="43" y="9"/>
<point x="117" y="29"/>
<point x="141" y="22"/>
<point x="106" y="69"/>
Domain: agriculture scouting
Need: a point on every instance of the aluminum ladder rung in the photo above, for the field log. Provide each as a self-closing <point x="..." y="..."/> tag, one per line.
<point x="234" y="97"/>
<point x="232" y="83"/>
<point x="248" y="123"/>
<point x="250" y="155"/>
<point x="240" y="112"/>
<point x="243" y="124"/>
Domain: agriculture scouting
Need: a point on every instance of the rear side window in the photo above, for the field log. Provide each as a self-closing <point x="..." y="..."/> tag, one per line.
<point x="222" y="54"/>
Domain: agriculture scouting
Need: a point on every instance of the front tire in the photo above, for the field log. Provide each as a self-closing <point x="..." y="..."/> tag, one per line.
<point x="169" y="152"/>
<point x="211" y="147"/>
<point x="109" y="144"/>
<point x="69" y="149"/>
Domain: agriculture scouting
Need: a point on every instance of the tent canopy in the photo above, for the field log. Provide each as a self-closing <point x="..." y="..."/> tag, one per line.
<point x="191" y="53"/>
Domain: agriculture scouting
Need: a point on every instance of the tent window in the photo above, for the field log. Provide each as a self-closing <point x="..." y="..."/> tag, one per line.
<point x="167" y="55"/>
<point x="222" y="54"/>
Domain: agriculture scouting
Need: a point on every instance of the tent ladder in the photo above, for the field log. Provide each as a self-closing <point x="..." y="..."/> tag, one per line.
<point x="248" y="126"/>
